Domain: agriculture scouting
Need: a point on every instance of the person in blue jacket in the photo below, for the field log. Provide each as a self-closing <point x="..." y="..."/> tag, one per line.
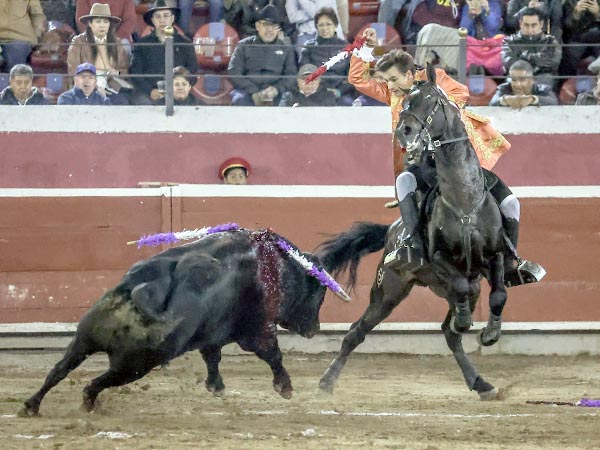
<point x="84" y="92"/>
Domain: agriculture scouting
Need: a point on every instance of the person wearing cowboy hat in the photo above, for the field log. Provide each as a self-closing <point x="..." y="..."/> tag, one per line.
<point x="124" y="10"/>
<point x="234" y="170"/>
<point x="100" y="45"/>
<point x="149" y="60"/>
<point x="261" y="65"/>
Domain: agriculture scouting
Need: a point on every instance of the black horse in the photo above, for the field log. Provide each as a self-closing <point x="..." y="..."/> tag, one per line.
<point x="464" y="239"/>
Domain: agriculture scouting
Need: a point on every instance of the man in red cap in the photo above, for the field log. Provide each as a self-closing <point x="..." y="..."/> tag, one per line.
<point x="234" y="170"/>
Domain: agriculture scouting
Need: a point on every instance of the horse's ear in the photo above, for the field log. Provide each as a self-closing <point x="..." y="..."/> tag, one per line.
<point x="431" y="73"/>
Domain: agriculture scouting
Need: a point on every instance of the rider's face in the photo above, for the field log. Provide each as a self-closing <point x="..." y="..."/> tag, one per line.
<point x="398" y="82"/>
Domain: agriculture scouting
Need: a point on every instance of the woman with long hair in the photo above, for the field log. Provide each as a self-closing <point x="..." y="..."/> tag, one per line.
<point x="99" y="45"/>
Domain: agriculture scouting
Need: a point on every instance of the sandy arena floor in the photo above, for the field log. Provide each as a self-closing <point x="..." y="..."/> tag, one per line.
<point x="382" y="401"/>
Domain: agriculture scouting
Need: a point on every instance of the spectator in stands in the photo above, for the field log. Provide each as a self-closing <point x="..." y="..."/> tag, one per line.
<point x="259" y="64"/>
<point x="61" y="11"/>
<point x="20" y="90"/>
<point x="301" y="13"/>
<point x="84" y="92"/>
<point x="522" y="91"/>
<point x="234" y="170"/>
<point x="482" y="18"/>
<point x="592" y="97"/>
<point x="215" y="13"/>
<point x="531" y="44"/>
<point x="149" y="60"/>
<point x="22" y="23"/>
<point x="551" y="9"/>
<point x="324" y="46"/>
<point x="99" y="43"/>
<point x="308" y="94"/>
<point x="581" y="26"/>
<point x="241" y="15"/>
<point x="123" y="9"/>
<point x="182" y="89"/>
<point x="418" y="14"/>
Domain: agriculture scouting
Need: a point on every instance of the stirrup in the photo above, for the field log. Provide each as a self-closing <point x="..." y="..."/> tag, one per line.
<point x="527" y="272"/>
<point x="403" y="259"/>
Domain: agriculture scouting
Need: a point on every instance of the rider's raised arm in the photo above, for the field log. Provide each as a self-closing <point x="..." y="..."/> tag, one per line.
<point x="360" y="78"/>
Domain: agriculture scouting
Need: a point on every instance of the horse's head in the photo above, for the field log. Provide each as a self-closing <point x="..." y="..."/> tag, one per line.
<point x="423" y="119"/>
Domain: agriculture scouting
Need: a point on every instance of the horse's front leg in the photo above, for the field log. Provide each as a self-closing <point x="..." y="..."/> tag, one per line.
<point x="458" y="294"/>
<point x="474" y="381"/>
<point x="386" y="293"/>
<point x="498" y="295"/>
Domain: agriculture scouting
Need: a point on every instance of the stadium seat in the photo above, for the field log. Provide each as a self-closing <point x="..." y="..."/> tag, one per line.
<point x="388" y="38"/>
<point x="573" y="87"/>
<point x="51" y="86"/>
<point x="51" y="55"/>
<point x="364" y="8"/>
<point x="213" y="90"/>
<point x="214" y="44"/>
<point x="199" y="16"/>
<point x="361" y="13"/>
<point x="481" y="90"/>
<point x="4" y="81"/>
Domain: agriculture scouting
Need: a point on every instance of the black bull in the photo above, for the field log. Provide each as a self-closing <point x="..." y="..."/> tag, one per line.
<point x="228" y="287"/>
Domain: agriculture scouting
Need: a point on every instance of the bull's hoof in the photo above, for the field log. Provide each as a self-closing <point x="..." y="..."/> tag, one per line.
<point x="89" y="403"/>
<point x="29" y="411"/>
<point x="217" y="388"/>
<point x="285" y="390"/>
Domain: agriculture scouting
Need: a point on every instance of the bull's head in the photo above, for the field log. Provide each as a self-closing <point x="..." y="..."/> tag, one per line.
<point x="302" y="297"/>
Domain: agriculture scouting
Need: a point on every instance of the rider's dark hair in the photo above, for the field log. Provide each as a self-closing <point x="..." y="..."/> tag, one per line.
<point x="329" y="13"/>
<point x="532" y="12"/>
<point x="396" y="58"/>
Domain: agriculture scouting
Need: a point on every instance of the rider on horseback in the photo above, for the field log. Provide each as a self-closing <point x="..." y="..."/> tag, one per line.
<point x="399" y="75"/>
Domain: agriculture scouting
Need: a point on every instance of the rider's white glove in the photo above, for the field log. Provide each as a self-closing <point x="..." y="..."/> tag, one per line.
<point x="365" y="53"/>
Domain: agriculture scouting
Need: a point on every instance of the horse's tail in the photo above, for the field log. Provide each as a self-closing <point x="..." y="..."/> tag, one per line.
<point x="345" y="250"/>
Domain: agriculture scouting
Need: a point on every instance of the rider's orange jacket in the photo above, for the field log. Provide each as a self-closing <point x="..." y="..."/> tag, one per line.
<point x="489" y="144"/>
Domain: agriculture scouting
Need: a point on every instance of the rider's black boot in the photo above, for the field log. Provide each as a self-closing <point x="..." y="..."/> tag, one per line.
<point x="518" y="271"/>
<point x="410" y="253"/>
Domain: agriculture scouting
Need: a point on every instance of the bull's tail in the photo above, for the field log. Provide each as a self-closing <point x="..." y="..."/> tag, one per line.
<point x="345" y="250"/>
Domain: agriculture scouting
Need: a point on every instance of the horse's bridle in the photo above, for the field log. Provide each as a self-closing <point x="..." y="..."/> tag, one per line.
<point x="424" y="134"/>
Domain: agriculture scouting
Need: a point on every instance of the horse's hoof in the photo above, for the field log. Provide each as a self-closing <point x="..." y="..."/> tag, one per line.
<point x="326" y="387"/>
<point x="489" y="395"/>
<point x="27" y="411"/>
<point x="485" y="342"/>
<point x="458" y="329"/>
